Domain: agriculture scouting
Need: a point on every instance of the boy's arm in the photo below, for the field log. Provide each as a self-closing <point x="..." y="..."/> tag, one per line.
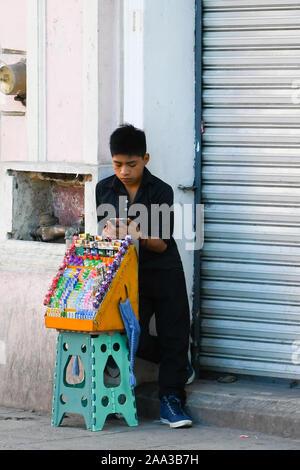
<point x="160" y="244"/>
<point x="98" y="199"/>
<point x="153" y="244"/>
<point x="157" y="244"/>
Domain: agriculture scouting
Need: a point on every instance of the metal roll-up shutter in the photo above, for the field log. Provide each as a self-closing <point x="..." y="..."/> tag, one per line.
<point x="250" y="261"/>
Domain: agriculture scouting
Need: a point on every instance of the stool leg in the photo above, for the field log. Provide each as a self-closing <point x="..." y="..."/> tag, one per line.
<point x="72" y="398"/>
<point x="99" y="418"/>
<point x="57" y="412"/>
<point x="113" y="399"/>
<point x="100" y="396"/>
<point x="125" y="396"/>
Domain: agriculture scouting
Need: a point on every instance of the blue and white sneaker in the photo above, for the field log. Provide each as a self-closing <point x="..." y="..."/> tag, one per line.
<point x="171" y="413"/>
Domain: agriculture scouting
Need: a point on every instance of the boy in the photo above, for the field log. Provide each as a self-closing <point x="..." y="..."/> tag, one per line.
<point x="162" y="288"/>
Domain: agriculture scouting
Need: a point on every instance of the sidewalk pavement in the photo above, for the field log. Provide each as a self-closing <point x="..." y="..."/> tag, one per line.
<point x="260" y="405"/>
<point x="32" y="431"/>
<point x="242" y="415"/>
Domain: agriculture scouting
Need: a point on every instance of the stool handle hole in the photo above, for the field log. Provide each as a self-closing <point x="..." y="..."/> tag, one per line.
<point x="63" y="399"/>
<point x="84" y="401"/>
<point x="105" y="401"/>
<point x="122" y="399"/>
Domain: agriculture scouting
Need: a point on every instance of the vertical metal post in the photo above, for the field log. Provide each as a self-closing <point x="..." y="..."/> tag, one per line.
<point x="197" y="180"/>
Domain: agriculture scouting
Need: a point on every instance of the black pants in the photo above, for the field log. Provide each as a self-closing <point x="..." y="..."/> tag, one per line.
<point x="163" y="293"/>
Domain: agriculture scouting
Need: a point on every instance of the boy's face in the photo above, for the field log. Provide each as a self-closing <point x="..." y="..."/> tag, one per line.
<point x="129" y="168"/>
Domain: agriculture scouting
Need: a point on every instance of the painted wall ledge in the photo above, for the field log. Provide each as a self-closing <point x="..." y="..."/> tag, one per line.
<point x="27" y="256"/>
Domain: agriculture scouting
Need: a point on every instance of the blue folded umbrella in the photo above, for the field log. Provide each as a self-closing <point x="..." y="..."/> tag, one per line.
<point x="76" y="366"/>
<point x="133" y="330"/>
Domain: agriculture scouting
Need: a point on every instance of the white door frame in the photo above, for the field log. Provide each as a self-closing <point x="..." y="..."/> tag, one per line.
<point x="133" y="63"/>
<point x="36" y="109"/>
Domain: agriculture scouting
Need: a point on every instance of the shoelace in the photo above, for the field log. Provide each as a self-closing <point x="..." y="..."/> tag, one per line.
<point x="176" y="402"/>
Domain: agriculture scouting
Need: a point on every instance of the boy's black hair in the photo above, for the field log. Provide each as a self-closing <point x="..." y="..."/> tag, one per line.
<point x="128" y="140"/>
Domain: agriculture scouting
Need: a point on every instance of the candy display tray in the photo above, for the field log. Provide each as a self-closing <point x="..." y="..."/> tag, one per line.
<point x="107" y="318"/>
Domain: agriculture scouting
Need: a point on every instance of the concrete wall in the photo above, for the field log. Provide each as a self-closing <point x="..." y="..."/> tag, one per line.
<point x="64" y="80"/>
<point x="169" y="99"/>
<point x="13" y="31"/>
<point x="71" y="137"/>
<point x="83" y="105"/>
<point x="110" y="74"/>
<point x="159" y="55"/>
<point x="26" y="371"/>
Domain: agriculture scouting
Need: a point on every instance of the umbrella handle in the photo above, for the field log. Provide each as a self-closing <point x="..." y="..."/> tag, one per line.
<point x="126" y="293"/>
<point x="76" y="366"/>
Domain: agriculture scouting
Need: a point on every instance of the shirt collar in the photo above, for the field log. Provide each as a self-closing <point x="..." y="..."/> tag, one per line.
<point x="118" y="186"/>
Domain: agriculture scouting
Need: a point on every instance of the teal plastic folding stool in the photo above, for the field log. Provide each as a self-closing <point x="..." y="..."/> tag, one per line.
<point x="92" y="397"/>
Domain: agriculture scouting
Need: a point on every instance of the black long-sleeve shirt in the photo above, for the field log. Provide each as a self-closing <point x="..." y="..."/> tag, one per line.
<point x="152" y="193"/>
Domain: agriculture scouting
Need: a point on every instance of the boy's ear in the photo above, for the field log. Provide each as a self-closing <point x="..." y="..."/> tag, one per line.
<point x="146" y="158"/>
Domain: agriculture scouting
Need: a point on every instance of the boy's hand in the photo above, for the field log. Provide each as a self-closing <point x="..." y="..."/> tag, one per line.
<point x="133" y="230"/>
<point x="110" y="231"/>
<point x="120" y="230"/>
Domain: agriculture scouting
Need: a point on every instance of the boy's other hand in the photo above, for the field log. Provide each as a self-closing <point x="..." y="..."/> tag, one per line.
<point x="133" y="230"/>
<point x="117" y="230"/>
<point x="120" y="230"/>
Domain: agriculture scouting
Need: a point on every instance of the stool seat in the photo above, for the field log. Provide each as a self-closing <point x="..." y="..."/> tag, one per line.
<point x="93" y="397"/>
